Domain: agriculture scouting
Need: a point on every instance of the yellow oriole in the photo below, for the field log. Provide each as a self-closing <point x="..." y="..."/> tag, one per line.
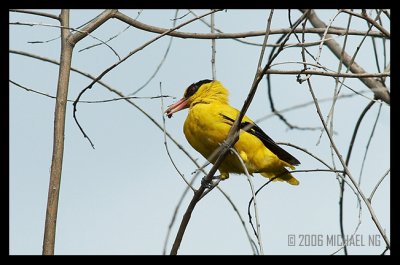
<point x="208" y="123"/>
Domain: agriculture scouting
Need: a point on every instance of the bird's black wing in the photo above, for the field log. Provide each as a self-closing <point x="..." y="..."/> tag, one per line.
<point x="267" y="141"/>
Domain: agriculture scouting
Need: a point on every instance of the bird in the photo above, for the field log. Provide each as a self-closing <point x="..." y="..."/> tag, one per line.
<point x="207" y="126"/>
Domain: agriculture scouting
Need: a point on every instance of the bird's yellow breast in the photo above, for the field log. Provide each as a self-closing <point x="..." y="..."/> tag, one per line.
<point x="205" y="129"/>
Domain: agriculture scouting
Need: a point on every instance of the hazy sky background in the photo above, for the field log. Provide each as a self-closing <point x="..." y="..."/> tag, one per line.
<point x="119" y="198"/>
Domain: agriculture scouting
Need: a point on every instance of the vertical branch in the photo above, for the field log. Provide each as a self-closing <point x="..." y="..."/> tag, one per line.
<point x="213" y="49"/>
<point x="341" y="198"/>
<point x="338" y="86"/>
<point x="264" y="45"/>
<point x="368" y="143"/>
<point x="58" y="141"/>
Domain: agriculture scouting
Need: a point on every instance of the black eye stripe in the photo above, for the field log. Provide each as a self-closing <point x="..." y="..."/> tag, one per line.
<point x="192" y="89"/>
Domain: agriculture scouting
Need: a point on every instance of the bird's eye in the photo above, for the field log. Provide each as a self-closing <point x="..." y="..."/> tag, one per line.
<point x="191" y="90"/>
<point x="194" y="87"/>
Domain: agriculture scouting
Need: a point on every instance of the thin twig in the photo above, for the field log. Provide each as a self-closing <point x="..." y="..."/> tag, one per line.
<point x="105" y="42"/>
<point x="333" y="74"/>
<point x="174" y="214"/>
<point x="355" y="131"/>
<point x="269" y="89"/>
<point x="386" y="249"/>
<point x="336" y="93"/>
<point x="369" y="20"/>
<point x="253" y="195"/>
<point x="113" y="37"/>
<point x="324" y="35"/>
<point x="267" y="31"/>
<point x="252" y="243"/>
<point x="166" y="144"/>
<point x="304" y="26"/>
<point x="377" y="185"/>
<point x="72" y="29"/>
<point x="309" y="153"/>
<point x="86" y="101"/>
<point x="43" y="41"/>
<point x="288" y="45"/>
<point x="386" y="12"/>
<point x="368" y="143"/>
<point x="213" y="49"/>
<point x="378" y="67"/>
<point x="337" y="90"/>
<point x="331" y="169"/>
<point x="346" y="242"/>
<point x="341" y="196"/>
<point x="161" y="62"/>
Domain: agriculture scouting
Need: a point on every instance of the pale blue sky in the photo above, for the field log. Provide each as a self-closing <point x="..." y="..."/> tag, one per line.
<point x="119" y="198"/>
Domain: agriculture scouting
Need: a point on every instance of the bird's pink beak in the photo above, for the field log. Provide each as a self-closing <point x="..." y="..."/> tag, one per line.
<point x="177" y="106"/>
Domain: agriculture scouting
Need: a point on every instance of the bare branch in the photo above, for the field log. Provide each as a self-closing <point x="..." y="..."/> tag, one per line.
<point x="174" y="214"/>
<point x="365" y="16"/>
<point x="376" y="86"/>
<point x="213" y="49"/>
<point x="82" y="32"/>
<point x="267" y="31"/>
<point x="252" y="244"/>
<point x="309" y="153"/>
<point x="190" y="35"/>
<point x="333" y="74"/>
<point x="269" y="86"/>
<point x="113" y="37"/>
<point x="324" y="36"/>
<point x="288" y="45"/>
<point x="341" y="197"/>
<point x="38" y="13"/>
<point x="43" y="41"/>
<point x="368" y="143"/>
<point x="253" y="196"/>
<point x="377" y="185"/>
<point x="86" y="101"/>
<point x="58" y="141"/>
<point x="91" y="26"/>
<point x="161" y="62"/>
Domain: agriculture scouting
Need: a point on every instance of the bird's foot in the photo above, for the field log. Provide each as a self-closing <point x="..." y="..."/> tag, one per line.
<point x="214" y="181"/>
<point x="210" y="185"/>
